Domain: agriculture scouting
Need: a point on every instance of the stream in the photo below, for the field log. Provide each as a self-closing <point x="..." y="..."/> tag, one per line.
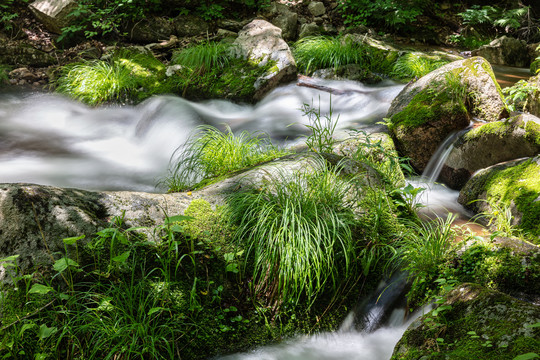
<point x="51" y="140"/>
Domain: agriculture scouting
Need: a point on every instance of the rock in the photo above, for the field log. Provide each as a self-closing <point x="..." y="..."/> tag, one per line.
<point x="53" y="13"/>
<point x="501" y="325"/>
<point x="152" y="30"/>
<point x="232" y="25"/>
<point x="24" y="74"/>
<point x="189" y="25"/>
<point x="425" y="112"/>
<point x="316" y="8"/>
<point x="490" y="144"/>
<point x="533" y="98"/>
<point x="261" y="42"/>
<point x="21" y="53"/>
<point x="310" y="29"/>
<point x="349" y="72"/>
<point x="514" y="186"/>
<point x="505" y="51"/>
<point x="281" y="16"/>
<point x="34" y="219"/>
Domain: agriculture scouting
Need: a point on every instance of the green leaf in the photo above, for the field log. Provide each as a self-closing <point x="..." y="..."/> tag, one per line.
<point x="45" y="331"/>
<point x="178" y="218"/>
<point x="526" y="356"/>
<point x="122" y="257"/>
<point x="9" y="259"/>
<point x="533" y="325"/>
<point x="155" y="310"/>
<point x="40" y="356"/>
<point x="26" y="327"/>
<point x="63" y="263"/>
<point x="40" y="289"/>
<point x="72" y="240"/>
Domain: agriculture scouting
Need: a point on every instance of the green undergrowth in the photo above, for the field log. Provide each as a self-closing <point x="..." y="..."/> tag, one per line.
<point x="416" y="65"/>
<point x="125" y="77"/>
<point x="210" y="154"/>
<point x="211" y="70"/>
<point x="4" y="73"/>
<point x="320" y="52"/>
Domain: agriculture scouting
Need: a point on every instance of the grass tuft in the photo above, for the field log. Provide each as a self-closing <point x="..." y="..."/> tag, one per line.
<point x="204" y="56"/>
<point x="413" y="65"/>
<point x="210" y="153"/>
<point x="297" y="232"/>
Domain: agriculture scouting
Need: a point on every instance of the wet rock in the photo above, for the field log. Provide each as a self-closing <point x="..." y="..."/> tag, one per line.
<point x="426" y="111"/>
<point x="479" y="323"/>
<point x="505" y="51"/>
<point x="261" y="42"/>
<point x="53" y="13"/>
<point x="512" y="185"/>
<point x="490" y="144"/>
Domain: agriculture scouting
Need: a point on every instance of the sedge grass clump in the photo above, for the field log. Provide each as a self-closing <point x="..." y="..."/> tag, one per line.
<point x="313" y="53"/>
<point x="414" y="65"/>
<point x="204" y="56"/>
<point x="297" y="232"/>
<point x="211" y="153"/>
<point x="125" y="75"/>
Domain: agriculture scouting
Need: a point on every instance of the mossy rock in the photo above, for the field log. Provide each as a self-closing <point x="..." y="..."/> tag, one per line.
<point x="490" y="144"/>
<point x="477" y="324"/>
<point x="512" y="185"/>
<point x="427" y="111"/>
<point x="533" y="98"/>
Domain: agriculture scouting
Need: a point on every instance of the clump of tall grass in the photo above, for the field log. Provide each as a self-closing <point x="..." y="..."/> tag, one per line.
<point x="210" y="153"/>
<point x="319" y="52"/>
<point x="297" y="232"/>
<point x="204" y="56"/>
<point x="117" y="78"/>
<point x="415" y="65"/>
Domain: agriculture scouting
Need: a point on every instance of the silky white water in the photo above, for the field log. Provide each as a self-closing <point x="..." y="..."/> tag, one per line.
<point x="50" y="140"/>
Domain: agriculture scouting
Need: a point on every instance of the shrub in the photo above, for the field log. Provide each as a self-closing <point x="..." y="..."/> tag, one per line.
<point x="210" y="153"/>
<point x="518" y="94"/>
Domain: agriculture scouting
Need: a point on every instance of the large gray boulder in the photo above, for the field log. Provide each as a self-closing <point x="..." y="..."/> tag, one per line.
<point x="490" y="144"/>
<point x="505" y="51"/>
<point x="428" y="110"/>
<point x="22" y="53"/>
<point x="53" y="13"/>
<point x="261" y="42"/>
<point x="281" y="16"/>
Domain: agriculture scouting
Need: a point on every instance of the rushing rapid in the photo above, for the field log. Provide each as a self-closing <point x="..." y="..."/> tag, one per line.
<point x="50" y="140"/>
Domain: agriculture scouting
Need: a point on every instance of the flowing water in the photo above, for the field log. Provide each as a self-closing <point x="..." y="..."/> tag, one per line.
<point x="50" y="140"/>
<point x="47" y="139"/>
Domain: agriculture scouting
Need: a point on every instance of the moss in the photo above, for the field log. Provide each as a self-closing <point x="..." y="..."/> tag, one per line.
<point x="499" y="128"/>
<point x="519" y="185"/>
<point x="427" y="106"/>
<point x="532" y="132"/>
<point x="475" y="325"/>
<point x="235" y="81"/>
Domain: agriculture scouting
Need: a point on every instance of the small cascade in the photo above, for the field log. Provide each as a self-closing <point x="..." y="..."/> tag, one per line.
<point x="433" y="168"/>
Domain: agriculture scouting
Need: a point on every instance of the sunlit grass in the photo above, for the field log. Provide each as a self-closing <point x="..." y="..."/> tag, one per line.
<point x="413" y="65"/>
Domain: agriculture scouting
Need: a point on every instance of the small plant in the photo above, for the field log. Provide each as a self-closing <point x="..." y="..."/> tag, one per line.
<point x="499" y="218"/>
<point x="210" y="153"/>
<point x="517" y="95"/>
<point x="322" y="129"/>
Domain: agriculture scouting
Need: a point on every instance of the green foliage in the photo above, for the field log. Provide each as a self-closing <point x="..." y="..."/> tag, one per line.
<point x="124" y="76"/>
<point x="322" y="130"/>
<point x="211" y="10"/>
<point x="93" y="18"/>
<point x="485" y="17"/>
<point x="4" y="73"/>
<point x="298" y="232"/>
<point x="517" y="95"/>
<point x="415" y="65"/>
<point x="205" y="56"/>
<point x="210" y="153"/>
<point x="313" y="53"/>
<point x="9" y="11"/>
<point x="470" y="42"/>
<point x="391" y="14"/>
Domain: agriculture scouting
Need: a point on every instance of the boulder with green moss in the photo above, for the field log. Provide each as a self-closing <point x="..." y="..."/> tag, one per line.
<point x="427" y="111"/>
<point x="532" y="104"/>
<point x="490" y="144"/>
<point x="261" y="43"/>
<point x="473" y="323"/>
<point x="505" y="50"/>
<point x="513" y="185"/>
